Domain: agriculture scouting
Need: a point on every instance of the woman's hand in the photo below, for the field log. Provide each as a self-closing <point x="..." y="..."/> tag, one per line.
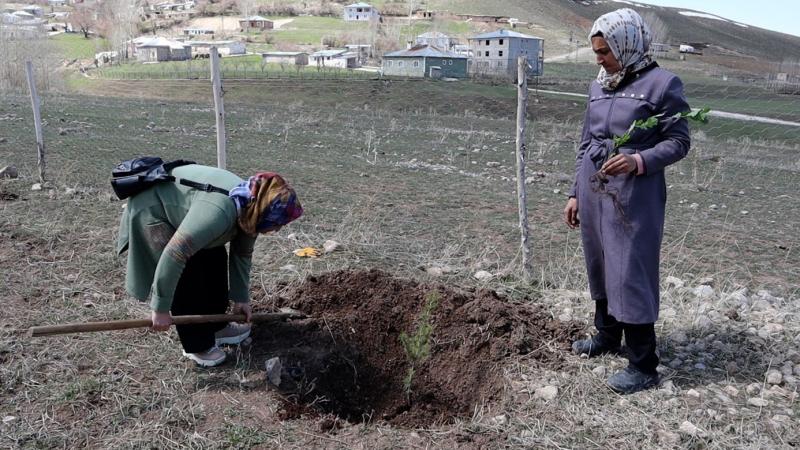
<point x="243" y="308"/>
<point x="571" y="213"/>
<point x="619" y="165"/>
<point x="161" y="321"/>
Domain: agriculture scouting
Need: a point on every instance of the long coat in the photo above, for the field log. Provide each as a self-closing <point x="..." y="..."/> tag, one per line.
<point x="622" y="248"/>
<point x="162" y="227"/>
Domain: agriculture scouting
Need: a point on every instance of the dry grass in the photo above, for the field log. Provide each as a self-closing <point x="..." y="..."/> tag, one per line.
<point x="132" y="389"/>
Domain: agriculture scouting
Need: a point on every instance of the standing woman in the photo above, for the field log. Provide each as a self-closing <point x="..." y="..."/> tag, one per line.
<point x="622" y="220"/>
<point x="176" y="235"/>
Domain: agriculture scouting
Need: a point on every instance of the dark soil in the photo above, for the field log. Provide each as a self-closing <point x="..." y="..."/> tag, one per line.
<point x="347" y="360"/>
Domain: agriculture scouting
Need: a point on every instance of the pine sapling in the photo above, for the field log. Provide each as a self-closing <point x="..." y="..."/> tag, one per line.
<point x="418" y="345"/>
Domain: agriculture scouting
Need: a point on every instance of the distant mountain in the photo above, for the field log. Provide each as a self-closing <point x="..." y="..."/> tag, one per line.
<point x="555" y="19"/>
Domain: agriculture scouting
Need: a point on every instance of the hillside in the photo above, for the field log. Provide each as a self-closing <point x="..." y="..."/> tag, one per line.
<point x="554" y="19"/>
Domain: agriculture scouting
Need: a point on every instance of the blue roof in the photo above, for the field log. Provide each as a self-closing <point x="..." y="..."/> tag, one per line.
<point x="420" y="51"/>
<point x="504" y="34"/>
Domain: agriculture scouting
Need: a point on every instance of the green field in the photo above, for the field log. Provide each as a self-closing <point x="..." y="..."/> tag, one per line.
<point x="75" y="46"/>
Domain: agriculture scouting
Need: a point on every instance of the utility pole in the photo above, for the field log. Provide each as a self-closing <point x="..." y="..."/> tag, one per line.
<point x="522" y="198"/>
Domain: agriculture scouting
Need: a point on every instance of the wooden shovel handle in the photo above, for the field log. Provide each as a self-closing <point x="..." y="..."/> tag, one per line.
<point x="89" y="327"/>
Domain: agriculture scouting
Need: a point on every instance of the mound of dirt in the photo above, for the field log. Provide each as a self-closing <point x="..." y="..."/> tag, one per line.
<point x="347" y="358"/>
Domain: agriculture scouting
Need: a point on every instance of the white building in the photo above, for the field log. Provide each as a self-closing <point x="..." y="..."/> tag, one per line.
<point x="202" y="49"/>
<point x="496" y="53"/>
<point x="340" y="58"/>
<point x="436" y="39"/>
<point x="284" y="58"/>
<point x="198" y="32"/>
<point x="360" y="12"/>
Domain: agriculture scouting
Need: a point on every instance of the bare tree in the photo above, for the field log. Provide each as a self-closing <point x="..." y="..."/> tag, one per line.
<point x="83" y="18"/>
<point x="658" y="29"/>
<point x="246" y="7"/>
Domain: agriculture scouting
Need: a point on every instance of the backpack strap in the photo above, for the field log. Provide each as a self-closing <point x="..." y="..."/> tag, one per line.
<point x="203" y="186"/>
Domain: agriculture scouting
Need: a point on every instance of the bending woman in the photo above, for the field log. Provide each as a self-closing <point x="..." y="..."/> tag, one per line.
<point x="176" y="235"/>
<point x="618" y="201"/>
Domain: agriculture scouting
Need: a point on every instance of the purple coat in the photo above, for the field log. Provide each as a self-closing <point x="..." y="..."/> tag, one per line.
<point x="622" y="255"/>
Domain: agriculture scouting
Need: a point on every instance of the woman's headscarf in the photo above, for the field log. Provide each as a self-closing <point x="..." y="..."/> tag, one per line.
<point x="628" y="36"/>
<point x="265" y="201"/>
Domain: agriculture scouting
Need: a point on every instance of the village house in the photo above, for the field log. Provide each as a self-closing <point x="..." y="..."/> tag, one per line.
<point x="360" y="12"/>
<point x="202" y="49"/>
<point x="283" y="58"/>
<point x="198" y="32"/>
<point x="57" y="2"/>
<point x="363" y="51"/>
<point x="255" y="23"/>
<point x="435" y="39"/>
<point x="157" y="49"/>
<point x="34" y="10"/>
<point x="496" y="53"/>
<point x="340" y="58"/>
<point x="424" y="61"/>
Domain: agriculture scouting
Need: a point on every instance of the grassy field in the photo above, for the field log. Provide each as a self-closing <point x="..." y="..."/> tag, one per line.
<point x="406" y="175"/>
<point x="310" y="30"/>
<point x="75" y="46"/>
<point x="240" y="67"/>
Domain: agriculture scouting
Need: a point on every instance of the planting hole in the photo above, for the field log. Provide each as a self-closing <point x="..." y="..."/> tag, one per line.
<point x="347" y="358"/>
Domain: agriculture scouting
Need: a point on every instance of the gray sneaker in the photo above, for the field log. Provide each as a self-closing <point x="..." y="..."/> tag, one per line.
<point x="632" y="380"/>
<point x="209" y="358"/>
<point x="233" y="334"/>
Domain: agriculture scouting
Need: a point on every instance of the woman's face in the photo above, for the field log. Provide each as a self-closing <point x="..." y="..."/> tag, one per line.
<point x="605" y="57"/>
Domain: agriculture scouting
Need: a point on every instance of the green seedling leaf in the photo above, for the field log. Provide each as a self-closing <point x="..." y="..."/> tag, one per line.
<point x="696" y="115"/>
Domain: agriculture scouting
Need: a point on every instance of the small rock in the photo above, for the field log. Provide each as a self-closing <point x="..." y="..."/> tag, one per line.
<point x="668" y="438"/>
<point x="753" y="388"/>
<point x="713" y="207"/>
<point x="556" y="191"/>
<point x="492" y="164"/>
<point x="679" y="337"/>
<point x="693" y="206"/>
<point x="600" y="371"/>
<point x="774" y="377"/>
<point x="690" y="429"/>
<point x="700" y="366"/>
<point x="36" y="187"/>
<point x="693" y="394"/>
<point x="758" y="402"/>
<point x="289" y="268"/>
<point x="292" y="237"/>
<point x="668" y="387"/>
<point x="770" y="329"/>
<point x="9" y="172"/>
<point x="3" y="140"/>
<point x="731" y="390"/>
<point x="8" y="419"/>
<point x="502" y="419"/>
<point x="482" y="275"/>
<point x="675" y="363"/>
<point x="70" y="192"/>
<point x="703" y="291"/>
<point x="744" y="213"/>
<point x="330" y="246"/>
<point x="273" y="367"/>
<point x="546" y="393"/>
<point x="434" y="271"/>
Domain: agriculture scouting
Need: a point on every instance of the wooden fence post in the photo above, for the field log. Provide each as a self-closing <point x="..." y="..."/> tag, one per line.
<point x="522" y="106"/>
<point x="37" y="121"/>
<point x="219" y="108"/>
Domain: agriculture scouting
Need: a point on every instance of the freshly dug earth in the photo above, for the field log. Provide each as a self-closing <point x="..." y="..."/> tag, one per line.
<point x="347" y="359"/>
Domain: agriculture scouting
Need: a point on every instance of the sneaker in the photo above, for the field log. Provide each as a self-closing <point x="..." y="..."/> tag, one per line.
<point x="632" y="380"/>
<point x="209" y="358"/>
<point x="593" y="347"/>
<point x="233" y="334"/>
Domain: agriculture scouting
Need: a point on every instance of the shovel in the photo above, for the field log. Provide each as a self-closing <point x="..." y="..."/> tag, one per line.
<point x="90" y="327"/>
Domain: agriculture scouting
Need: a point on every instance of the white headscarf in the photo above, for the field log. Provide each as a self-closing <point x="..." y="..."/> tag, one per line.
<point x="628" y="36"/>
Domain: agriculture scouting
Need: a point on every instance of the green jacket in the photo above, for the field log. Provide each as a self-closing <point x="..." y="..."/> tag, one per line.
<point x="165" y="225"/>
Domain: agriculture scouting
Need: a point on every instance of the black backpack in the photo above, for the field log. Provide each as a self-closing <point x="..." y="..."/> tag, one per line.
<point x="135" y="175"/>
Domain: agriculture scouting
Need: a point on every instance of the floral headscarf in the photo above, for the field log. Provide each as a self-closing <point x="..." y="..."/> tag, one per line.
<point x="265" y="201"/>
<point x="628" y="36"/>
